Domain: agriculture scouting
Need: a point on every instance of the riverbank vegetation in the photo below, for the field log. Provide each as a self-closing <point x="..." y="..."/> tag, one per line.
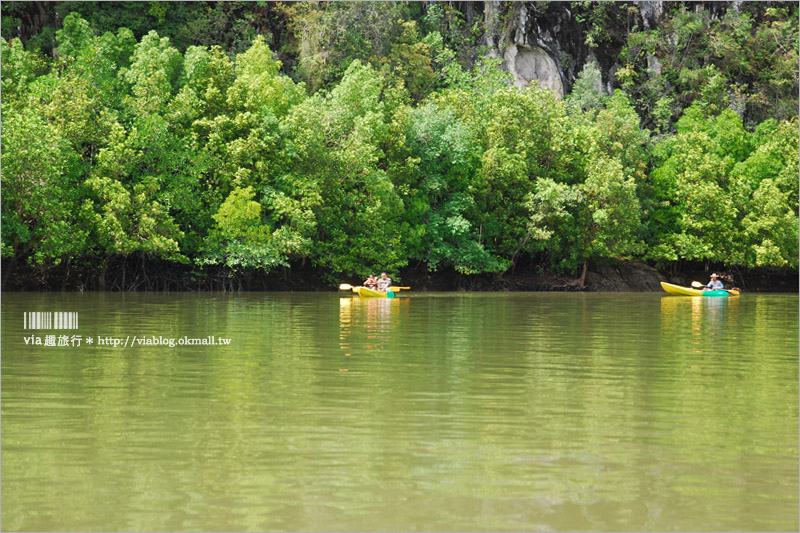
<point x="257" y="137"/>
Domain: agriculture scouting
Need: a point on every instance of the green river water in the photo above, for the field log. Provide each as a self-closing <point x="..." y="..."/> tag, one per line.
<point x="444" y="412"/>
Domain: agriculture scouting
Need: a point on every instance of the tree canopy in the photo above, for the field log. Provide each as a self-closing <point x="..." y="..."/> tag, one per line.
<point x="388" y="145"/>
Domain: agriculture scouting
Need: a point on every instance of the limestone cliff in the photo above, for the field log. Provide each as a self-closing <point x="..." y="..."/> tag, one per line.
<point x="550" y="42"/>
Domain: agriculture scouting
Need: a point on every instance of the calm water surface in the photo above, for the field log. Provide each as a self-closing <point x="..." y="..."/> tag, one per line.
<point x="443" y="412"/>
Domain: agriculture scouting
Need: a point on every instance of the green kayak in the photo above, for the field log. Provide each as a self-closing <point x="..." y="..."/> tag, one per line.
<point x="689" y="291"/>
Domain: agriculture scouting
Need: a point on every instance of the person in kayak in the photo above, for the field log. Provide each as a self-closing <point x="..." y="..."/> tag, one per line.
<point x="371" y="282"/>
<point x="384" y="282"/>
<point x="714" y="284"/>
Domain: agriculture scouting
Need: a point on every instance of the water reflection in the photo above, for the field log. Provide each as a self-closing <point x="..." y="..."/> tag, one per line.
<point x="695" y="312"/>
<point x="479" y="412"/>
<point x="368" y="322"/>
<point x="698" y="325"/>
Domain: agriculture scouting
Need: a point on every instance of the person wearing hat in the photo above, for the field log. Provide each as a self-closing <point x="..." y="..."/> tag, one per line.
<point x="714" y="284"/>
<point x="384" y="282"/>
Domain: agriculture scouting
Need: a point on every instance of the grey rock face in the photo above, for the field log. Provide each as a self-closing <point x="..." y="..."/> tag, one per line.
<point x="532" y="64"/>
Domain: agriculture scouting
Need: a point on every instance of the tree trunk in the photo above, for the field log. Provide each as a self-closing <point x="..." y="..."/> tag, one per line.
<point x="102" y="279"/>
<point x="582" y="279"/>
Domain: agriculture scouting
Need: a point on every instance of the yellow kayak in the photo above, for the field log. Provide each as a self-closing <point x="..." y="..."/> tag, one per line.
<point x="369" y="293"/>
<point x="689" y="291"/>
<point x="373" y="293"/>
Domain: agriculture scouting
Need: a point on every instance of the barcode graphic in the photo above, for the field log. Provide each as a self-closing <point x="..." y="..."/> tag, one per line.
<point x="50" y="320"/>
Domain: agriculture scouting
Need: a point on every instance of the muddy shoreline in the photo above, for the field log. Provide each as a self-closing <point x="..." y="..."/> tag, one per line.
<point x="622" y="276"/>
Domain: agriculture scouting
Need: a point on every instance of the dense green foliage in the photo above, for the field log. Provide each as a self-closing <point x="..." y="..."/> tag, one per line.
<point x="746" y="59"/>
<point x="388" y="143"/>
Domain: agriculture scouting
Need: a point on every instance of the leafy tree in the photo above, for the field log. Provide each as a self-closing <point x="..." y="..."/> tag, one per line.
<point x="410" y="61"/>
<point x="594" y="212"/>
<point x="239" y="238"/>
<point x="242" y="105"/>
<point x="459" y="32"/>
<point x="437" y="187"/>
<point x="613" y="205"/>
<point x="587" y="90"/>
<point x="526" y="138"/>
<point x="616" y="135"/>
<point x="333" y="145"/>
<point x="258" y="87"/>
<point x="232" y="25"/>
<point x="329" y="36"/>
<point x="448" y="70"/>
<point x="74" y="37"/>
<point x="616" y="132"/>
<point x="556" y="216"/>
<point x="697" y="217"/>
<point x="42" y="219"/>
<point x="209" y="75"/>
<point x="19" y="69"/>
<point x="765" y="185"/>
<point x="154" y="74"/>
<point x="130" y="221"/>
<point x="746" y="58"/>
<point x="599" y="218"/>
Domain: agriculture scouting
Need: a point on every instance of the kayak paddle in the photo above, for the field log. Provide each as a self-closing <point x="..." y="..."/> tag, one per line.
<point x="347" y="287"/>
